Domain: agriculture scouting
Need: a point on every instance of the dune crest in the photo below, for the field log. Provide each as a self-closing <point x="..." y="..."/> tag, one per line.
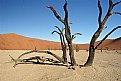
<point x="14" y="41"/>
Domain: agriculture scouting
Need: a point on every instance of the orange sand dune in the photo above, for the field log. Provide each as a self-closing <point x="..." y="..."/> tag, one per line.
<point x="17" y="42"/>
<point x="108" y="44"/>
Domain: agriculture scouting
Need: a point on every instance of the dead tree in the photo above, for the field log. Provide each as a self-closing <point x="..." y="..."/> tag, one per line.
<point x="67" y="31"/>
<point x="63" y="44"/>
<point x="101" y="26"/>
<point x="37" y="51"/>
<point x="68" y="35"/>
<point x="77" y="48"/>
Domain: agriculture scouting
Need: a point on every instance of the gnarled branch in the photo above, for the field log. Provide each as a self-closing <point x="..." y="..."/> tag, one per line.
<point x="56" y="14"/>
<point x="46" y="52"/>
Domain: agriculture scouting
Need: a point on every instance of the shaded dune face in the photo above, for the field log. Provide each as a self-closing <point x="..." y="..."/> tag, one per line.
<point x="13" y="41"/>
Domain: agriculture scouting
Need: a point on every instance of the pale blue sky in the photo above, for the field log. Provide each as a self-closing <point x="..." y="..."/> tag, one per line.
<point x="31" y="18"/>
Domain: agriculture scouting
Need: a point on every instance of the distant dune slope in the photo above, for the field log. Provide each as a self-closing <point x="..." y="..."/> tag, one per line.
<point x="14" y="41"/>
<point x="115" y="44"/>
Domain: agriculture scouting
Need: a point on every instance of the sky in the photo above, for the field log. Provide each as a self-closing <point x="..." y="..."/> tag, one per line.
<point x="33" y="19"/>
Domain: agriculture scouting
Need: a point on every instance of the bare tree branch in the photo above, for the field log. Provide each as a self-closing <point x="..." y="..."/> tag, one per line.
<point x="56" y="14"/>
<point x="56" y="32"/>
<point x="63" y="29"/>
<point x="100" y="12"/>
<point x="67" y="32"/>
<point x="116" y="13"/>
<point x="104" y="28"/>
<point x="110" y="2"/>
<point x="73" y="36"/>
<point x="66" y="12"/>
<point x="109" y="13"/>
<point x="61" y="32"/>
<point x="107" y="36"/>
<point x="63" y="44"/>
<point x="66" y="1"/>
<point x="67" y="28"/>
<point x="116" y="3"/>
<point x="60" y="37"/>
<point x="12" y="58"/>
<point x="47" y="52"/>
<point x="70" y="23"/>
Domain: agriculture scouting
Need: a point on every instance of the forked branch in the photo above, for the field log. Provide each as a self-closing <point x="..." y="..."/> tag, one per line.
<point x="101" y="23"/>
<point x="61" y="32"/>
<point x="63" y="44"/>
<point x="116" y="3"/>
<point x="107" y="36"/>
<point x="110" y="12"/>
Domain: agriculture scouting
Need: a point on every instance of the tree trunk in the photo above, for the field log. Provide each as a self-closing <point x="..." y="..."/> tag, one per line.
<point x="71" y="54"/>
<point x="90" y="57"/>
<point x="92" y="48"/>
<point x="64" y="54"/>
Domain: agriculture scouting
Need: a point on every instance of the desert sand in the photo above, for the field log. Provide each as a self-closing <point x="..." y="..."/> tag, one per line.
<point x="106" y="67"/>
